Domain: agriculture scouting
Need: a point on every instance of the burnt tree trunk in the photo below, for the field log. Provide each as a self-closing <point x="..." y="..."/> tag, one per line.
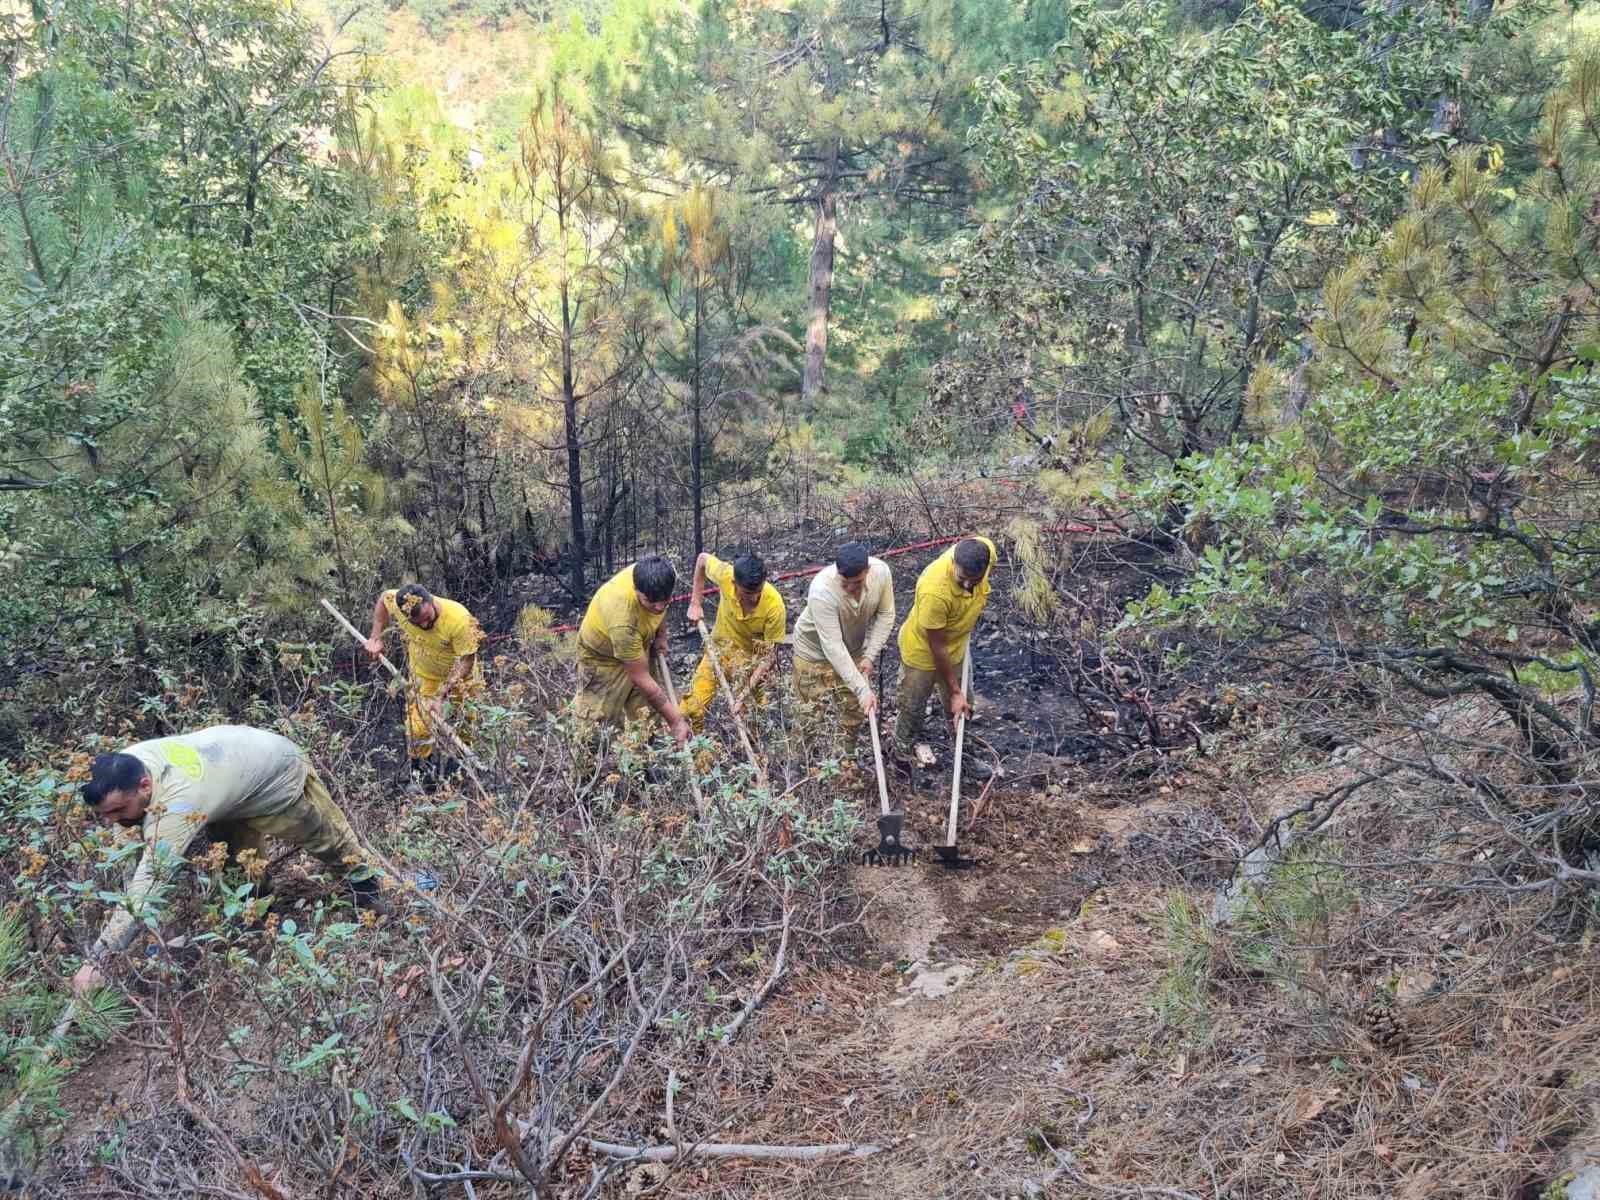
<point x="695" y="460"/>
<point x="569" y="412"/>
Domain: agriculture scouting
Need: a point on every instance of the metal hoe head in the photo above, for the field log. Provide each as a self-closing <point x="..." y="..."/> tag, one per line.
<point x="951" y="857"/>
<point x="889" y="852"/>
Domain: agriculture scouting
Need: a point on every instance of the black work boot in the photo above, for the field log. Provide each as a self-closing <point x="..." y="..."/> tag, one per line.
<point x="425" y="773"/>
<point x="367" y="895"/>
<point x="905" y="770"/>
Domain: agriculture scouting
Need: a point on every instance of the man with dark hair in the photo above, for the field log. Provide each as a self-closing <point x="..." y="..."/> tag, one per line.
<point x="442" y="640"/>
<point x="750" y="621"/>
<point x="621" y="628"/>
<point x="231" y="784"/>
<point x="951" y="593"/>
<point x="654" y="578"/>
<point x="848" y="617"/>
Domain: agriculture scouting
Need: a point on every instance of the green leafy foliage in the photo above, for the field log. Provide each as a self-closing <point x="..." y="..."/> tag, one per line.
<point x="1483" y="268"/>
<point x="1176" y="192"/>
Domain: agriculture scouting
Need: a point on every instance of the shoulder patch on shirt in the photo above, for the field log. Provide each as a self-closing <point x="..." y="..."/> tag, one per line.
<point x="185" y="758"/>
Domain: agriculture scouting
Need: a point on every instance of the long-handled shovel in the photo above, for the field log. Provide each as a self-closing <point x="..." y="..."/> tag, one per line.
<point x="950" y="855"/>
<point x="672" y="694"/>
<point x="889" y="851"/>
<point x="727" y="690"/>
<point x="469" y="760"/>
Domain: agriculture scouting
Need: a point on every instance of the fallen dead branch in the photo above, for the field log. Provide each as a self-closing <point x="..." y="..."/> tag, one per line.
<point x="756" y="1001"/>
<point x="729" y="1150"/>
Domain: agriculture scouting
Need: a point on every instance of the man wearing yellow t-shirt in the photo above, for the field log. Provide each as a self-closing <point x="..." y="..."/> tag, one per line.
<point x="951" y="593"/>
<point x="750" y="620"/>
<point x="620" y="629"/>
<point x="442" y="640"/>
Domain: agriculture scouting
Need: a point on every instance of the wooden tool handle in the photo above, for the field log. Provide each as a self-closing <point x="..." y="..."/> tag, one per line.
<point x="666" y="679"/>
<point x="672" y="695"/>
<point x="877" y="761"/>
<point x="727" y="689"/>
<point x="961" y="737"/>
<point x="358" y="635"/>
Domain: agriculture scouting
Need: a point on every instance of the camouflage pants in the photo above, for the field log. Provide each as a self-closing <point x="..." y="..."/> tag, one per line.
<point x="825" y="701"/>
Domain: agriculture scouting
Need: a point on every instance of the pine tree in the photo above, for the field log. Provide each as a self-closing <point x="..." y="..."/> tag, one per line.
<point x="326" y="457"/>
<point x="567" y="287"/>
<point x="1482" y="271"/>
<point x="819" y="107"/>
<point x="714" y="352"/>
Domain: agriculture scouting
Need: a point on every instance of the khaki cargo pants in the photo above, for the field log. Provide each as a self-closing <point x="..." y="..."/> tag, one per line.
<point x="911" y="704"/>
<point x="825" y="701"/>
<point x="313" y="823"/>
<point x="605" y="695"/>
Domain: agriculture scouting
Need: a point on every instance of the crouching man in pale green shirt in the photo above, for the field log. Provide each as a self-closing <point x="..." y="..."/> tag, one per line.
<point x="231" y="784"/>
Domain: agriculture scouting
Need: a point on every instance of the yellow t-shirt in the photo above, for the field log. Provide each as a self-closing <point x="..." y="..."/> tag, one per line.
<point x="942" y="603"/>
<point x="432" y="652"/>
<point x="734" y="627"/>
<point x="616" y="625"/>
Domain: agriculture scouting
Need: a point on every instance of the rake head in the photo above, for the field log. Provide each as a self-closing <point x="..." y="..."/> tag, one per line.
<point x="889" y="852"/>
<point x="951" y="857"/>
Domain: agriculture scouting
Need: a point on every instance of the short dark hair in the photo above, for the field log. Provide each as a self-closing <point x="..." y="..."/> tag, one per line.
<point x="655" y="578"/>
<point x="116" y="772"/>
<point x="851" y="559"/>
<point x="749" y="572"/>
<point x="411" y="596"/>
<point x="972" y="556"/>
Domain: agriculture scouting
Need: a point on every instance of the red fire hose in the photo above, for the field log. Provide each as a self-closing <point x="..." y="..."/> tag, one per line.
<point x="1070" y="527"/>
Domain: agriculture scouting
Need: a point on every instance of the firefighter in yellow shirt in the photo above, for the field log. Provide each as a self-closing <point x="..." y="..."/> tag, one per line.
<point x="951" y="593"/>
<point x="621" y="628"/>
<point x="442" y="640"/>
<point x="750" y="620"/>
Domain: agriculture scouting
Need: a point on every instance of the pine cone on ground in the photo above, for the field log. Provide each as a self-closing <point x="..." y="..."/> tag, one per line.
<point x="1382" y="1023"/>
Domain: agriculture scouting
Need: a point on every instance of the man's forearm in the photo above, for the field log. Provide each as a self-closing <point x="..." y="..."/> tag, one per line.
<point x="942" y="664"/>
<point x="697" y="590"/>
<point x="844" y="666"/>
<point x="655" y="695"/>
<point x="763" y="669"/>
<point x="124" y="924"/>
<point x="459" y="670"/>
<point x="878" y="631"/>
<point x="380" y="617"/>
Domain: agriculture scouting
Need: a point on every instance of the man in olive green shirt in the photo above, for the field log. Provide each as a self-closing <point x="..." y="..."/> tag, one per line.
<point x="228" y="783"/>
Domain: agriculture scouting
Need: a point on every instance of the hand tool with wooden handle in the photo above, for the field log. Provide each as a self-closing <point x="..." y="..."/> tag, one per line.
<point x="727" y="690"/>
<point x="950" y="853"/>
<point x="889" y="850"/>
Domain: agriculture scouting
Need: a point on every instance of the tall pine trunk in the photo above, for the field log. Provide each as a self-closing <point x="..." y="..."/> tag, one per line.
<point x="695" y="459"/>
<point x="569" y="412"/>
<point x="811" y="380"/>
